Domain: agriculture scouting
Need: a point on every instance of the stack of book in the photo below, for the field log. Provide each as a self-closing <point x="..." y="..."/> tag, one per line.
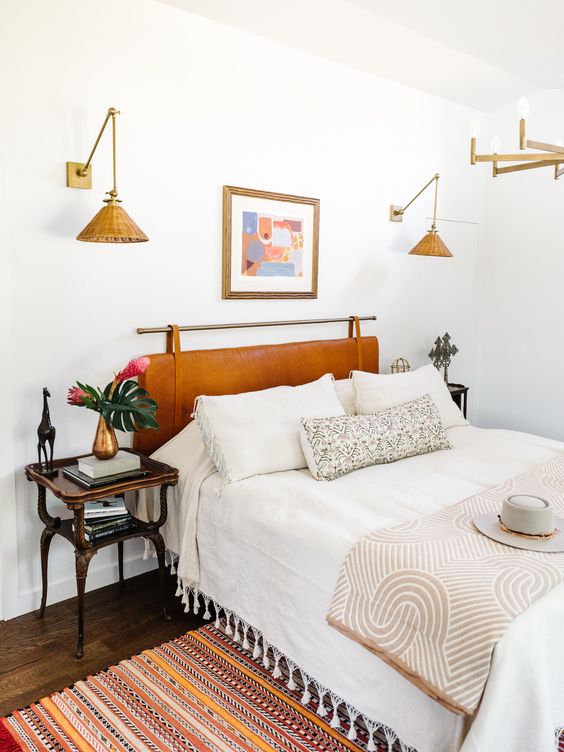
<point x="94" y="473"/>
<point x="106" y="517"/>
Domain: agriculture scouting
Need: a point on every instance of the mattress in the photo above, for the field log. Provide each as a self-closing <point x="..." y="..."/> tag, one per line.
<point x="270" y="549"/>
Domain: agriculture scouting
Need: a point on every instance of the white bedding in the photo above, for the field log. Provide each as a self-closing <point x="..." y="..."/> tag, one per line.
<point x="270" y="548"/>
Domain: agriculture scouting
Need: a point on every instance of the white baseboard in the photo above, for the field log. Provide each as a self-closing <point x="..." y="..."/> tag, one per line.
<point x="59" y="590"/>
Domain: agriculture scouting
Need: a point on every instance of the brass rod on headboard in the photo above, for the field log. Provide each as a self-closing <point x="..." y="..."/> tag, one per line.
<point x="202" y="327"/>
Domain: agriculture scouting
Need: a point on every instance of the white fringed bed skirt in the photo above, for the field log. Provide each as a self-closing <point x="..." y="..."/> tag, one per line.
<point x="272" y="659"/>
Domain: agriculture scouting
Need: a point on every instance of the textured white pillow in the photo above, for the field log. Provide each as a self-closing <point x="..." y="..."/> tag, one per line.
<point x="259" y="432"/>
<point x="345" y="393"/>
<point x="375" y="392"/>
<point x="336" y="446"/>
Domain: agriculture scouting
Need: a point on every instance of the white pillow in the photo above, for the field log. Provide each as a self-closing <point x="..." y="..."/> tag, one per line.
<point x="345" y="393"/>
<point x="259" y="432"/>
<point x="375" y="392"/>
<point x="336" y="446"/>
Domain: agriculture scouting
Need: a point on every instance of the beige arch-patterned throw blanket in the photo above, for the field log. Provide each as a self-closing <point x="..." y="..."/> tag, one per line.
<point x="432" y="597"/>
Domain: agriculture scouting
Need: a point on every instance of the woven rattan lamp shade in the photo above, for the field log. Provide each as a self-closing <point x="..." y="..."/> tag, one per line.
<point x="112" y="224"/>
<point x="430" y="245"/>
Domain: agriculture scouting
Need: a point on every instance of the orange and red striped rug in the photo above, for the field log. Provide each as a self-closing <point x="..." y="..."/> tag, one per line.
<point x="199" y="692"/>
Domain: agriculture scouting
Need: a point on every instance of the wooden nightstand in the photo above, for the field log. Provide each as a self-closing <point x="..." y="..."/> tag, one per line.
<point x="459" y="393"/>
<point x="74" y="496"/>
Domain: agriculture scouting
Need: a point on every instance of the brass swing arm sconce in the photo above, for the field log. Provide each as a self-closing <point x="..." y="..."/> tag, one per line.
<point x="112" y="224"/>
<point x="397" y="212"/>
<point x="431" y="244"/>
<point x="552" y="155"/>
<point x="79" y="174"/>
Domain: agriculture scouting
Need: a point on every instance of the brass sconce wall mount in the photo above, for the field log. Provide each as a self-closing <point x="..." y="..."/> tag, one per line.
<point x="112" y="224"/>
<point x="430" y="244"/>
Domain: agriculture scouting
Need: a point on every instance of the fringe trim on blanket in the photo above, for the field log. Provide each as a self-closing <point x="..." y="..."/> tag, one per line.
<point x="211" y="441"/>
<point x="171" y="559"/>
<point x="315" y="697"/>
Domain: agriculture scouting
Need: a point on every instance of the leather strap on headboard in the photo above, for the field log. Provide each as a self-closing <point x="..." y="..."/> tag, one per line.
<point x="173" y="346"/>
<point x="356" y="321"/>
<point x="175" y="378"/>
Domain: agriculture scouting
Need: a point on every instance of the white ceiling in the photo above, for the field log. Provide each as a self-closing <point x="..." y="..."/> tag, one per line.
<point x="521" y="38"/>
<point x="483" y="54"/>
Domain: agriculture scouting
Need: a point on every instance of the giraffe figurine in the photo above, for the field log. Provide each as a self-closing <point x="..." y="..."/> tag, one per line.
<point x="46" y="435"/>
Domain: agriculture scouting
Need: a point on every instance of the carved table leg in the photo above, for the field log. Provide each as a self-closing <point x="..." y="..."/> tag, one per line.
<point x="160" y="549"/>
<point x="46" y="537"/>
<point x="44" y="516"/>
<point x="82" y="560"/>
<point x="83" y="552"/>
<point x="120" y="565"/>
<point x="163" y="509"/>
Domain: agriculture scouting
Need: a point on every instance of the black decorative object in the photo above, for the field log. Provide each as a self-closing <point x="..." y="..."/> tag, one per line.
<point x="46" y="435"/>
<point x="442" y="353"/>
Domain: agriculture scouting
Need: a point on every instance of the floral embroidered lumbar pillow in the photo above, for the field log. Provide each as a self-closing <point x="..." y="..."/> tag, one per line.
<point x="338" y="445"/>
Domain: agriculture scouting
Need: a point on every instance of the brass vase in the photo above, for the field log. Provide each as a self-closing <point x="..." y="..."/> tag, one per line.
<point x="105" y="444"/>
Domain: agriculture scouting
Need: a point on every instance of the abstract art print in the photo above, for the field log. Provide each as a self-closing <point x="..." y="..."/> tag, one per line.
<point x="270" y="244"/>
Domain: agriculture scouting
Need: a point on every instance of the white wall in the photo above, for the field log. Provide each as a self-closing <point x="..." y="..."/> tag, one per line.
<point x="203" y="105"/>
<point x="521" y="358"/>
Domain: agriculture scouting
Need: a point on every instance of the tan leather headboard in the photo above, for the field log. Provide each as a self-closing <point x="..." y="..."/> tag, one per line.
<point x="175" y="380"/>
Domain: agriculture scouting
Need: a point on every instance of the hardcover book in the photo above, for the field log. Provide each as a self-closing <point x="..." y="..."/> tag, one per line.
<point x="123" y="462"/>
<point x="99" y="525"/>
<point x="94" y="536"/>
<point x="72" y="472"/>
<point x="104" y="508"/>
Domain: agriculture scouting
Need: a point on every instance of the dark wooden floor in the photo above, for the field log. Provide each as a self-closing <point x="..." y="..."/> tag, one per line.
<point x="37" y="655"/>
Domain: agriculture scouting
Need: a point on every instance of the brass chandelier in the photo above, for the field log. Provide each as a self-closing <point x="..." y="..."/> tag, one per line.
<point x="551" y="155"/>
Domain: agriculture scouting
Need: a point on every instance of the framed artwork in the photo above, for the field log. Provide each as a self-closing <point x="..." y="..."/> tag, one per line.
<point x="270" y="244"/>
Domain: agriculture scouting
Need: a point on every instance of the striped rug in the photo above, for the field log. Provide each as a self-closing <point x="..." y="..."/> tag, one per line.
<point x="200" y="692"/>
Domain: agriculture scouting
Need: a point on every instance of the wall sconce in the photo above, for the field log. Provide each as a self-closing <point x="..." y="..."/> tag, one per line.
<point x="112" y="224"/>
<point x="431" y="244"/>
<point x="551" y="155"/>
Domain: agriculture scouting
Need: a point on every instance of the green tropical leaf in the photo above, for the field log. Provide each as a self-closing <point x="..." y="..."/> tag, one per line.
<point x="129" y="408"/>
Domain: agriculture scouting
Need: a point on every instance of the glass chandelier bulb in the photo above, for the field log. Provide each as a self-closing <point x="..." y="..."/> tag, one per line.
<point x="475" y="128"/>
<point x="495" y="145"/>
<point x="523" y="108"/>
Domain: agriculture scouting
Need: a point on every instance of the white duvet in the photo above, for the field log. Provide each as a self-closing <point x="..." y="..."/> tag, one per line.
<point x="270" y="548"/>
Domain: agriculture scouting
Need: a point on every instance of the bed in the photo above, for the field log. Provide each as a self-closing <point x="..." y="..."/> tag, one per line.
<point x="270" y="548"/>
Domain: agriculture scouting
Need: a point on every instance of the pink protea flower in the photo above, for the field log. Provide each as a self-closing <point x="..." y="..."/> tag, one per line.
<point x="134" y="368"/>
<point x="75" y="395"/>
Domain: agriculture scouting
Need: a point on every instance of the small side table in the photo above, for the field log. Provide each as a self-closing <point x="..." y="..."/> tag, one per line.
<point x="459" y="394"/>
<point x="75" y="496"/>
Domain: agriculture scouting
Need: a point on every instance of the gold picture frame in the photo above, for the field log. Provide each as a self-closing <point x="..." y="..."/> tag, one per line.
<point x="253" y="266"/>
